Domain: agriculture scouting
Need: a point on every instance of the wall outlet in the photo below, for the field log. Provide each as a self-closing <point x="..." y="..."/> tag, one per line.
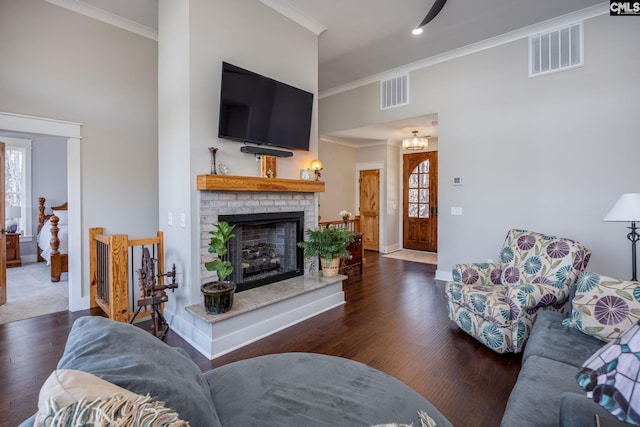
<point x="170" y="218"/>
<point x="456" y="210"/>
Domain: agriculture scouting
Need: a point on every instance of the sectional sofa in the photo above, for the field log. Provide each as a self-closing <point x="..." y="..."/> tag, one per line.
<point x="103" y="357"/>
<point x="546" y="392"/>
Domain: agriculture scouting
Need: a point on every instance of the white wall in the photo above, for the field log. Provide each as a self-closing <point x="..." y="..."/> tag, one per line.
<point x="63" y="65"/>
<point x="550" y="154"/>
<point x="195" y="37"/>
<point x="340" y="178"/>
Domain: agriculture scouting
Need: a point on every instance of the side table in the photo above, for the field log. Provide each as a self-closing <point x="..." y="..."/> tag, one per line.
<point x="13" y="250"/>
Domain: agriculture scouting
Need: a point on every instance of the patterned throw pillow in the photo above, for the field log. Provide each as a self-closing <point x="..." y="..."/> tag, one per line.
<point x="604" y="307"/>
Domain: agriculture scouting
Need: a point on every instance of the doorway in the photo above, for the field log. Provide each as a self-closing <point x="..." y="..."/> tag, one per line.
<point x="9" y="122"/>
<point x="369" y="198"/>
<point x="420" y="201"/>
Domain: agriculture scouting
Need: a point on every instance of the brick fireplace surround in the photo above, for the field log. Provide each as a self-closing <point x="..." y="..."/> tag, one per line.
<point x="259" y="312"/>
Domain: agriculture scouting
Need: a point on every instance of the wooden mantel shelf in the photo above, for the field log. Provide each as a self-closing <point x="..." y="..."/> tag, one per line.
<point x="252" y="183"/>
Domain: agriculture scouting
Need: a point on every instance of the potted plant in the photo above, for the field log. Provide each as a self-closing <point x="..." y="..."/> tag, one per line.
<point x="218" y="295"/>
<point x="330" y="244"/>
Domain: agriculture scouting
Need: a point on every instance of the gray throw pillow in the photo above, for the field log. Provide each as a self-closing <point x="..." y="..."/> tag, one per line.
<point x="134" y="359"/>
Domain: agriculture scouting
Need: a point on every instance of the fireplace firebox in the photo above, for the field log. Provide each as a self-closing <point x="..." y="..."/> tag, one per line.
<point x="265" y="248"/>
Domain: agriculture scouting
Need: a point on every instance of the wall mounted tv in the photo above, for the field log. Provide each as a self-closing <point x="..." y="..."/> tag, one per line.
<point x="260" y="110"/>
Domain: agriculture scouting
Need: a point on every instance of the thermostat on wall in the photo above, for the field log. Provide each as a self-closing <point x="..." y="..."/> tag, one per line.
<point x="456" y="180"/>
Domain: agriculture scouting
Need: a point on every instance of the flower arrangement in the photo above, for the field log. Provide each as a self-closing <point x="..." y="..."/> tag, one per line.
<point x="345" y="216"/>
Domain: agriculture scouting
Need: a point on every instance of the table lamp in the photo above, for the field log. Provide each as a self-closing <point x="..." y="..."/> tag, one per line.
<point x="11" y="213"/>
<point x="316" y="166"/>
<point x="627" y="209"/>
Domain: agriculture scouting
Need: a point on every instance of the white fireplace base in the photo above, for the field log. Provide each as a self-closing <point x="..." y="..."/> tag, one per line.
<point x="257" y="313"/>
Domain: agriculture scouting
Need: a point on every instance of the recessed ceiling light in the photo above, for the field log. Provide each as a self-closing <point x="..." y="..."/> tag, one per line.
<point x="416" y="31"/>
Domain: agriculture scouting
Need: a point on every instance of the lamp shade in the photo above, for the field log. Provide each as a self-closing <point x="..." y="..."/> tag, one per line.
<point x="316" y="165"/>
<point x="626" y="209"/>
<point x="12" y="212"/>
<point x="611" y="376"/>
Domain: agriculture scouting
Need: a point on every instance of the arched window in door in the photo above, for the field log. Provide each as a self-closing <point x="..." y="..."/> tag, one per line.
<point x="419" y="191"/>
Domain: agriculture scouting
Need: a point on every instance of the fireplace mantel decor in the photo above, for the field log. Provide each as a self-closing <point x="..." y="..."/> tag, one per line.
<point x="252" y="183"/>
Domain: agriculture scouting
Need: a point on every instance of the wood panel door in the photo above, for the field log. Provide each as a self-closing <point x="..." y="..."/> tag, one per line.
<point x="3" y="237"/>
<point x="420" y="213"/>
<point x="370" y="209"/>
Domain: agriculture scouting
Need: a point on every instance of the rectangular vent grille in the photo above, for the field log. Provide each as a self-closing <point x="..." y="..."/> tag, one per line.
<point x="394" y="92"/>
<point x="556" y="50"/>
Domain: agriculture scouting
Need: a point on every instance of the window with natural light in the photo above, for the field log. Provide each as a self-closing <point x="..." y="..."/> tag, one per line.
<point x="17" y="178"/>
<point x="419" y="191"/>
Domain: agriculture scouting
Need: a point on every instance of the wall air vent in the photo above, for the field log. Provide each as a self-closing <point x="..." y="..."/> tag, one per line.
<point x="394" y="92"/>
<point x="556" y="50"/>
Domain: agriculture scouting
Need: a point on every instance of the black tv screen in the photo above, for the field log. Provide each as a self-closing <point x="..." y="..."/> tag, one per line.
<point x="257" y="109"/>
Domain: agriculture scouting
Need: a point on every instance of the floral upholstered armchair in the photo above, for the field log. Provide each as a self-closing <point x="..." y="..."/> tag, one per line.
<point x="498" y="302"/>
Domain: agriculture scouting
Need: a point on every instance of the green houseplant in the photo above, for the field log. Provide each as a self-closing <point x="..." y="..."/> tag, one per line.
<point x="330" y="244"/>
<point x="218" y="295"/>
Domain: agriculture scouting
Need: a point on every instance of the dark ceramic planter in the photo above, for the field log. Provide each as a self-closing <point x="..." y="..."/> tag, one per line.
<point x="218" y="296"/>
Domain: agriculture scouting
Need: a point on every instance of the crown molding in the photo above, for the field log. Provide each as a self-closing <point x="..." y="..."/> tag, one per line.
<point x="560" y="21"/>
<point x="107" y="17"/>
<point x="287" y="9"/>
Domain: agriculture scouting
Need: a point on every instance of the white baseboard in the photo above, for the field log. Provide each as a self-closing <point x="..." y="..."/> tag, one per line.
<point x="391" y="248"/>
<point x="445" y="276"/>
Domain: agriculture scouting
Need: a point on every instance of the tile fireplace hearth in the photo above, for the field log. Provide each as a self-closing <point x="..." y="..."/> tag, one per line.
<point x="259" y="312"/>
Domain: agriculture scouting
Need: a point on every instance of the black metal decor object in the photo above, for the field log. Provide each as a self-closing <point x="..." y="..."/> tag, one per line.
<point x="433" y="12"/>
<point x="633" y="237"/>
<point x="153" y="294"/>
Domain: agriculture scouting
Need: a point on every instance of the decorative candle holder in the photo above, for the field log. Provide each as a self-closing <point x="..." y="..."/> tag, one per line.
<point x="213" y="160"/>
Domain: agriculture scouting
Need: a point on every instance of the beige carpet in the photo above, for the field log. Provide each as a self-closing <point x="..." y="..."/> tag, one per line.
<point x="31" y="293"/>
<point x="415" y="256"/>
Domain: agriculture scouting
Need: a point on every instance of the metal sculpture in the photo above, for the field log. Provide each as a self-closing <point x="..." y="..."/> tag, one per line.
<point x="154" y="294"/>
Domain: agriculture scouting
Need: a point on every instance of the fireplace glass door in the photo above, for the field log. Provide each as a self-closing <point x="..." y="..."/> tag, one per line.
<point x="265" y="248"/>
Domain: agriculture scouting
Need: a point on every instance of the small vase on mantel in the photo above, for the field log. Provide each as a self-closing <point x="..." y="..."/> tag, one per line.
<point x="213" y="151"/>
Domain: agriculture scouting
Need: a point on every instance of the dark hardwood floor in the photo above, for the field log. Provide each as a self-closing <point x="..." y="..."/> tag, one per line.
<point x="394" y="320"/>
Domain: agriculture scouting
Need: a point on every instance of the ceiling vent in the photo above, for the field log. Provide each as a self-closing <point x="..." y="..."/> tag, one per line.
<point x="556" y="50"/>
<point x="394" y="92"/>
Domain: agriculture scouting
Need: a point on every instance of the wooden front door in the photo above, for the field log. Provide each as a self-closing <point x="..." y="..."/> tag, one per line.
<point x="3" y="237"/>
<point x="370" y="209"/>
<point x="420" y="213"/>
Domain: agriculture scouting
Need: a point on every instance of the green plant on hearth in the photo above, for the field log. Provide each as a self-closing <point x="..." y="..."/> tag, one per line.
<point x="328" y="243"/>
<point x="218" y="245"/>
<point x="218" y="295"/>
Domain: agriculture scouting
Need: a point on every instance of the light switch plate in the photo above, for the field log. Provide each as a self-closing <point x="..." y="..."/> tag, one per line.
<point x="456" y="210"/>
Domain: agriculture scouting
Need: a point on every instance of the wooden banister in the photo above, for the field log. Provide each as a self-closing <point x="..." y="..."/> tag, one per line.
<point x="109" y="271"/>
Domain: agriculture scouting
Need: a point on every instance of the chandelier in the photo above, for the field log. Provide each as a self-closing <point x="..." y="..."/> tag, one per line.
<point x="415" y="142"/>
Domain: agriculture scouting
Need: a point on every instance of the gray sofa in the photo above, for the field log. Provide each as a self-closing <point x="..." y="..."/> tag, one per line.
<point x="546" y="392"/>
<point x="290" y="389"/>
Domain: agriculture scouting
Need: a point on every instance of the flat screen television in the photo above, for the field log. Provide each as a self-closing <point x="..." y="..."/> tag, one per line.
<point x="260" y="110"/>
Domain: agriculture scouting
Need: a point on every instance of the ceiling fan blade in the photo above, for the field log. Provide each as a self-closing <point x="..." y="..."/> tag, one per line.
<point x="435" y="9"/>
